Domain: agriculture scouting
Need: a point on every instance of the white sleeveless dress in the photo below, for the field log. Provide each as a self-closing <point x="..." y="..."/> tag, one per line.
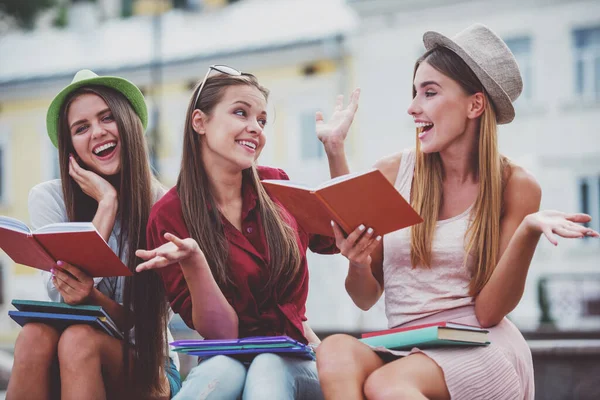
<point x="502" y="370"/>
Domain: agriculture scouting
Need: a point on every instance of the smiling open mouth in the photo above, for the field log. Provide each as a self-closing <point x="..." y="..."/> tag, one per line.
<point x="105" y="150"/>
<point x="250" y="145"/>
<point x="423" y="127"/>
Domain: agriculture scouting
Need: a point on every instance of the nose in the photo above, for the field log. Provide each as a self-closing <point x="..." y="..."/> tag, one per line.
<point x="414" y="109"/>
<point x="254" y="127"/>
<point x="97" y="131"/>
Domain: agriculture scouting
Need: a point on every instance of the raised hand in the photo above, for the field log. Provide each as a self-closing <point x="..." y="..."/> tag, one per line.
<point x="358" y="246"/>
<point x="91" y="183"/>
<point x="552" y="223"/>
<point x="174" y="251"/>
<point x="334" y="131"/>
<point x="74" y="285"/>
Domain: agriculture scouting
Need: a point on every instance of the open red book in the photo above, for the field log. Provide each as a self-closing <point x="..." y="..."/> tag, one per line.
<point x="77" y="243"/>
<point x="366" y="198"/>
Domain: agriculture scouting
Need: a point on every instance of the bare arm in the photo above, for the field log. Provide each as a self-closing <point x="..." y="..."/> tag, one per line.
<point x="122" y="319"/>
<point x="309" y="334"/>
<point x="364" y="282"/>
<point x="212" y="315"/>
<point x="520" y="232"/>
<point x="333" y="133"/>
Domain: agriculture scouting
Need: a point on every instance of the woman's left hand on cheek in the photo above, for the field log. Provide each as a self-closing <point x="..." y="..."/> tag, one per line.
<point x="91" y="183"/>
<point x="74" y="285"/>
<point x="552" y="223"/>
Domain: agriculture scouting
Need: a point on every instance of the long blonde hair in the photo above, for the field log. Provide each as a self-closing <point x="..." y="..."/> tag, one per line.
<point x="483" y="235"/>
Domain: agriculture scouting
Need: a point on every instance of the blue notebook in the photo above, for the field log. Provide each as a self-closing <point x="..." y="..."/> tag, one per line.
<point x="245" y="347"/>
<point x="60" y="321"/>
<point x="53" y="307"/>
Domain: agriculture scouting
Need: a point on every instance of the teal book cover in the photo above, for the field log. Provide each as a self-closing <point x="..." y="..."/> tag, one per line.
<point x="433" y="336"/>
<point x="64" y="308"/>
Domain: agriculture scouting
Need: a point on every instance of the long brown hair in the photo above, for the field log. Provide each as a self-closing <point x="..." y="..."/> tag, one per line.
<point x="483" y="235"/>
<point x="144" y="292"/>
<point x="200" y="212"/>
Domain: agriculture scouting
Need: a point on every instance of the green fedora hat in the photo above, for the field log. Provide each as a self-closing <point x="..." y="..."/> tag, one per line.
<point x="86" y="77"/>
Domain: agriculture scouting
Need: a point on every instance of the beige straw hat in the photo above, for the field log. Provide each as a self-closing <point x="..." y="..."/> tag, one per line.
<point x="491" y="60"/>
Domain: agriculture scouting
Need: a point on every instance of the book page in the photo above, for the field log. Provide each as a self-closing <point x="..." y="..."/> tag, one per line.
<point x="67" y="227"/>
<point x="342" y="178"/>
<point x="285" y="182"/>
<point x="13" y="224"/>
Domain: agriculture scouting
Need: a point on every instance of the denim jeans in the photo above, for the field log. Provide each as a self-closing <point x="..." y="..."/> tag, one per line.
<point x="269" y="376"/>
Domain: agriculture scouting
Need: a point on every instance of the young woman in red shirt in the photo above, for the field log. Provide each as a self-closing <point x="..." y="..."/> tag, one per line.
<point x="233" y="260"/>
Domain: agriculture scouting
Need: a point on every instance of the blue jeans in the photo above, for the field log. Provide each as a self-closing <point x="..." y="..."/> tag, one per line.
<point x="269" y="376"/>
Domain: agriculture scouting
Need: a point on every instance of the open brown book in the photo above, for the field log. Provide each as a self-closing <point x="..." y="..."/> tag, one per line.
<point x="77" y="243"/>
<point x="366" y="198"/>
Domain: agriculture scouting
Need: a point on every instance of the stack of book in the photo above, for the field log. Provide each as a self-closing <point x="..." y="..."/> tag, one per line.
<point x="245" y="348"/>
<point x="62" y="315"/>
<point x="437" y="334"/>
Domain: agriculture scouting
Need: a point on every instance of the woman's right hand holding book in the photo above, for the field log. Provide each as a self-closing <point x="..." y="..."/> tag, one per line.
<point x="358" y="246"/>
<point x="74" y="285"/>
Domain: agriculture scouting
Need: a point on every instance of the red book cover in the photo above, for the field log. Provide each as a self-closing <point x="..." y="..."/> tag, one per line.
<point x="78" y="244"/>
<point x="350" y="200"/>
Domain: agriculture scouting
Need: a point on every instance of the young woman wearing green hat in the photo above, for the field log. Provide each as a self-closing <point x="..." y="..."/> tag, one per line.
<point x="468" y="261"/>
<point x="98" y="125"/>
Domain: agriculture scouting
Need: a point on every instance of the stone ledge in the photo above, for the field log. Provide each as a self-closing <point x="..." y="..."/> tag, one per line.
<point x="565" y="347"/>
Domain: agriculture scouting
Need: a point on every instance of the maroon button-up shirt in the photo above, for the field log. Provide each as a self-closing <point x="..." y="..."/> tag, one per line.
<point x="260" y="312"/>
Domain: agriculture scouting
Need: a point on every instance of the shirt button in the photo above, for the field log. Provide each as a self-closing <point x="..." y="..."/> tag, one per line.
<point x="249" y="229"/>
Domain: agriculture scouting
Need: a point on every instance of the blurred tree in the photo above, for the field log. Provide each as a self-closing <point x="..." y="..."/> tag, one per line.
<point x="24" y="12"/>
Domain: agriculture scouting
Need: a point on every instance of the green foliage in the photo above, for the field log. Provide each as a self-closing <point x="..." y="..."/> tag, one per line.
<point x="25" y="11"/>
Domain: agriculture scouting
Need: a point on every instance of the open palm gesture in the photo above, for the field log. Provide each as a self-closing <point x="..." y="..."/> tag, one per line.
<point x="174" y="251"/>
<point x="552" y="223"/>
<point x="335" y="130"/>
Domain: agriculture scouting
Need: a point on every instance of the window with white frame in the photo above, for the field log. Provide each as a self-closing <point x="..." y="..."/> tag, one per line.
<point x="587" y="63"/>
<point x="521" y="48"/>
<point x="311" y="147"/>
<point x="589" y="199"/>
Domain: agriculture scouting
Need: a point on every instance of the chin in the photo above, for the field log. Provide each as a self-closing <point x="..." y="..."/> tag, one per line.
<point x="109" y="171"/>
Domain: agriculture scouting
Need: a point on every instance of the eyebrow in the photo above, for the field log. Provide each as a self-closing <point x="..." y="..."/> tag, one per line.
<point x="427" y="83"/>
<point x="81" y="121"/>
<point x="247" y="105"/>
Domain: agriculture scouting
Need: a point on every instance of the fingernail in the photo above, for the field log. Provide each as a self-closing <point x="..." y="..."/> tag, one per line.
<point x="369" y="231"/>
<point x="52" y="271"/>
<point x="378" y="238"/>
<point x="332" y="224"/>
<point x="59" y="263"/>
<point x="361" y="228"/>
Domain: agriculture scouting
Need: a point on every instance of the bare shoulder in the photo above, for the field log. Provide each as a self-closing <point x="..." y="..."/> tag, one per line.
<point x="522" y="190"/>
<point x="389" y="166"/>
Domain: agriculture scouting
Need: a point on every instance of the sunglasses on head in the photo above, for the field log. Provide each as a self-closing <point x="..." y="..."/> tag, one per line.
<point x="224" y="69"/>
